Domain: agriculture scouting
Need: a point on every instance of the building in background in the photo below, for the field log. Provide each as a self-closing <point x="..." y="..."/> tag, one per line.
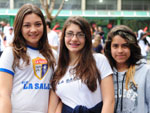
<point x="106" y="13"/>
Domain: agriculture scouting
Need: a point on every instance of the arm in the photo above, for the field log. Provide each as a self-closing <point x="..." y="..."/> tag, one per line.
<point x="5" y="92"/>
<point x="53" y="103"/>
<point x="55" y="27"/>
<point x="59" y="107"/>
<point x="107" y="90"/>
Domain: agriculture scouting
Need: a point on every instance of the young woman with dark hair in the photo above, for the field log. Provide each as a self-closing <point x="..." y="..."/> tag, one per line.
<point x="82" y="80"/>
<point x="131" y="73"/>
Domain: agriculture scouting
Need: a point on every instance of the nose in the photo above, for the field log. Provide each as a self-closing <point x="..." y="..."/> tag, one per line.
<point x="74" y="37"/>
<point x="120" y="49"/>
<point x="33" y="29"/>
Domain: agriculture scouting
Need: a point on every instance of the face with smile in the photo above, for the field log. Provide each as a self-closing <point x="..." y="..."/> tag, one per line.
<point x="74" y="39"/>
<point x="120" y="50"/>
<point x="32" y="29"/>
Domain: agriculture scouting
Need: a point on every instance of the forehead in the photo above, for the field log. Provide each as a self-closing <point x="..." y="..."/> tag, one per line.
<point x="118" y="40"/>
<point x="32" y="17"/>
<point x="73" y="27"/>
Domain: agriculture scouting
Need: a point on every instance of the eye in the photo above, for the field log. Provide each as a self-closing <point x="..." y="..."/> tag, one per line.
<point x="80" y="35"/>
<point x="38" y="24"/>
<point x="26" y="25"/>
<point x="114" y="45"/>
<point x="125" y="45"/>
<point x="69" y="34"/>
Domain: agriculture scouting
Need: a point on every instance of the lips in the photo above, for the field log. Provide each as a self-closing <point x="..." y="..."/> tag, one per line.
<point x="74" y="45"/>
<point x="120" y="56"/>
<point x="33" y="36"/>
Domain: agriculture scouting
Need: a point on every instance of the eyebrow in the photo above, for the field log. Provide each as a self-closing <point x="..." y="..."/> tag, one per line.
<point x="34" y="22"/>
<point x="73" y="31"/>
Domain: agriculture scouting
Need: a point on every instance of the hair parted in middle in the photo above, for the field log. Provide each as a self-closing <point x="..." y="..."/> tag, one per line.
<point x="19" y="43"/>
<point x="86" y="68"/>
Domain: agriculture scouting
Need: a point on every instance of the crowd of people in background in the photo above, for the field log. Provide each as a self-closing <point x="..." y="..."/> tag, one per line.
<point x="6" y="37"/>
<point x="79" y="69"/>
<point x="98" y="37"/>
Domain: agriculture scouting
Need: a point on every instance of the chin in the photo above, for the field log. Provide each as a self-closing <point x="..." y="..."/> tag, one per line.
<point x="121" y="62"/>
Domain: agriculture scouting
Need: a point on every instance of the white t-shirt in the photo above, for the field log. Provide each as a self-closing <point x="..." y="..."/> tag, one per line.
<point x="53" y="38"/>
<point x="9" y="38"/>
<point x="2" y="46"/>
<point x="73" y="92"/>
<point x="144" y="47"/>
<point x="31" y="84"/>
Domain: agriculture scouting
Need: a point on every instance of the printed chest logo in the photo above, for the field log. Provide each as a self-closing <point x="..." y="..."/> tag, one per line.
<point x="130" y="98"/>
<point x="40" y="67"/>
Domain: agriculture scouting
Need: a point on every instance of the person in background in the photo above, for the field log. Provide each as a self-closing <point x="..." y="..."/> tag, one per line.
<point x="55" y="28"/>
<point x="82" y="80"/>
<point x="2" y="42"/>
<point x="131" y="73"/>
<point x="6" y="28"/>
<point x="53" y="37"/>
<point x="102" y="34"/>
<point x="9" y="36"/>
<point x="96" y="43"/>
<point x="144" y="43"/>
<point x="27" y="65"/>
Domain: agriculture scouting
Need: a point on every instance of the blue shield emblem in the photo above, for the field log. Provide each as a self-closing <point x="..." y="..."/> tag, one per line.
<point x="40" y="67"/>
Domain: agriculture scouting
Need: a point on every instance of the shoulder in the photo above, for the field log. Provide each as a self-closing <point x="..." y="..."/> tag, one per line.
<point x="99" y="57"/>
<point x="143" y="69"/>
<point x="8" y="50"/>
<point x="142" y="65"/>
<point x="102" y="65"/>
<point x="101" y="60"/>
<point x="7" y="53"/>
<point x="7" y="58"/>
<point x="146" y="67"/>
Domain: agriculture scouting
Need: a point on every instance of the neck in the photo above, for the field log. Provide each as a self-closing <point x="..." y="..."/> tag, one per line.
<point x="121" y="67"/>
<point x="73" y="59"/>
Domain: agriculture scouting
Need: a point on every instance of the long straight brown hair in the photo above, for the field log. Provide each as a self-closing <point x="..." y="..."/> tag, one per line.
<point x="19" y="44"/>
<point x="86" y="68"/>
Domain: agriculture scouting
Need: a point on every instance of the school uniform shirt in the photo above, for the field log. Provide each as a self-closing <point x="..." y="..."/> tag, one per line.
<point x="73" y="92"/>
<point x="31" y="83"/>
<point x="137" y="98"/>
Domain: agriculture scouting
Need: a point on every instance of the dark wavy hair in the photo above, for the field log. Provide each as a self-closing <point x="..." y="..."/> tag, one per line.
<point x="86" y="68"/>
<point x="19" y="44"/>
<point x="127" y="34"/>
